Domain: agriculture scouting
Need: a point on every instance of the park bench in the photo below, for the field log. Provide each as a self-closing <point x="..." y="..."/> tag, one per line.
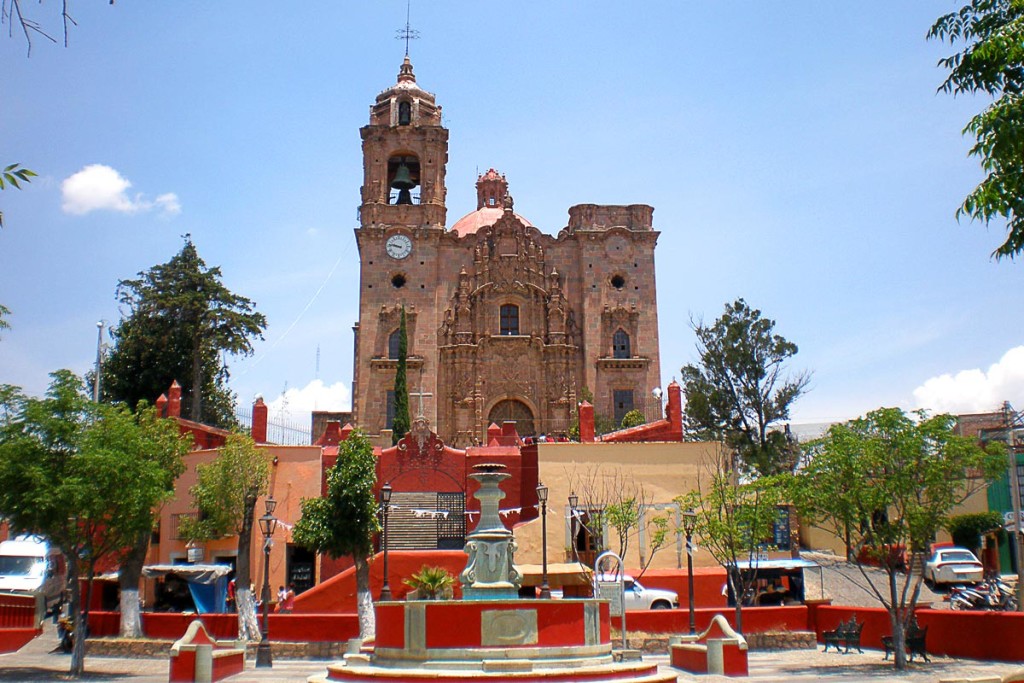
<point x="846" y="634"/>
<point x="914" y="641"/>
<point x="723" y="651"/>
<point x="198" y="658"/>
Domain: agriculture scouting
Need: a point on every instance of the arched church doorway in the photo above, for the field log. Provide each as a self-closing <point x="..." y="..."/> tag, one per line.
<point x="511" y="409"/>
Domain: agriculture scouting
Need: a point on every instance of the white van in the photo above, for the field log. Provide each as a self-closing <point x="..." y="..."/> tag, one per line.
<point x="29" y="564"/>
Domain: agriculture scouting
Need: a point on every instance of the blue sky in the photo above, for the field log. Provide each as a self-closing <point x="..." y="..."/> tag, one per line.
<point x="796" y="154"/>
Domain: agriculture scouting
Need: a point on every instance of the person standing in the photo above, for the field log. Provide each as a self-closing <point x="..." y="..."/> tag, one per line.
<point x="288" y="604"/>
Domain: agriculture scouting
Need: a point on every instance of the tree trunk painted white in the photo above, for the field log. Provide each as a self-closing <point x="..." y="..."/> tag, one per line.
<point x="248" y="625"/>
<point x="131" y="619"/>
<point x="364" y="600"/>
<point x="78" y="651"/>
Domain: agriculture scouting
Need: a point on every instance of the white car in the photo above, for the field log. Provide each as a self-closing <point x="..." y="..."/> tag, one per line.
<point x="953" y="566"/>
<point x="637" y="597"/>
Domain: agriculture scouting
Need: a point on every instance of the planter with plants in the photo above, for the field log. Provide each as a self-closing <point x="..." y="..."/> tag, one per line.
<point x="430" y="583"/>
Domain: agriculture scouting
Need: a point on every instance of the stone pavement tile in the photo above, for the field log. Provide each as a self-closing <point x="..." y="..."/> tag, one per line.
<point x="814" y="665"/>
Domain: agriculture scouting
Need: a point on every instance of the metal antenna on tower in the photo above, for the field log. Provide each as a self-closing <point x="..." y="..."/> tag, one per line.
<point x="407" y="33"/>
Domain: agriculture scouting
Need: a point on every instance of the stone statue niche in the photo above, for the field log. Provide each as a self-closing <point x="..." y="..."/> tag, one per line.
<point x="490" y="572"/>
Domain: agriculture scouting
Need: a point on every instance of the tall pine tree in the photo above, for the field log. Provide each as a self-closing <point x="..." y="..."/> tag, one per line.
<point x="401" y="424"/>
<point x="180" y="318"/>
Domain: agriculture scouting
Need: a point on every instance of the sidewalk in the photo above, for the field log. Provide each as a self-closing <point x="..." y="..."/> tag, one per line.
<point x="37" y="662"/>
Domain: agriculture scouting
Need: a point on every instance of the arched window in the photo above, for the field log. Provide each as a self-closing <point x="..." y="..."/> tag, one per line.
<point x="620" y="344"/>
<point x="404" y="113"/>
<point x="509" y="319"/>
<point x="394" y="339"/>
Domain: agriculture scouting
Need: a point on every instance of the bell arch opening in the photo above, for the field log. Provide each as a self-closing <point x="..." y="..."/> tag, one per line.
<point x="511" y="409"/>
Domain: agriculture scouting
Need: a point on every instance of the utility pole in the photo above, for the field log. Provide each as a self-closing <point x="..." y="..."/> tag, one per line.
<point x="1013" y="423"/>
<point x="99" y="362"/>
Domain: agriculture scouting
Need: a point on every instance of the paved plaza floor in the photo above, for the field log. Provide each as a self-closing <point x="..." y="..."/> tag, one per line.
<point x="37" y="662"/>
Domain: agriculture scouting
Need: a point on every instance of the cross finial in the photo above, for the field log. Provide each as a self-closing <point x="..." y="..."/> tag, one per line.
<point x="408" y="33"/>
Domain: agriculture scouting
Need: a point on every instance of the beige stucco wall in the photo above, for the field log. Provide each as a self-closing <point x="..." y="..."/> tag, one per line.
<point x="665" y="470"/>
<point x="825" y="539"/>
<point x="296" y="475"/>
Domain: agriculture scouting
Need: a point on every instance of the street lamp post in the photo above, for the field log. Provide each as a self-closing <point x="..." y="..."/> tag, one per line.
<point x="268" y="523"/>
<point x="574" y="500"/>
<point x="385" y="499"/>
<point x="542" y="497"/>
<point x="689" y="523"/>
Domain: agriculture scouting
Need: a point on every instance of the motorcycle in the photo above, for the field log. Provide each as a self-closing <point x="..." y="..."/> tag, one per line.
<point x="987" y="595"/>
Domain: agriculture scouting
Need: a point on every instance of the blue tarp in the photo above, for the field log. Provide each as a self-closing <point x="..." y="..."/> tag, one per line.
<point x="209" y="597"/>
<point x="208" y="583"/>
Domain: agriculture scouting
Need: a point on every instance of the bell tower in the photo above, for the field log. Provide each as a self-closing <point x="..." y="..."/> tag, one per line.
<point x="401" y="224"/>
<point x="405" y="150"/>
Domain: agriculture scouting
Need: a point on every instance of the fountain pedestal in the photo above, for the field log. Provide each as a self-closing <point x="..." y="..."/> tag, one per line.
<point x="490" y="572"/>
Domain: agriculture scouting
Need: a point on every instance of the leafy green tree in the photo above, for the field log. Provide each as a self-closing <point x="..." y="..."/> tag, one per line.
<point x="633" y="418"/>
<point x="225" y="495"/>
<point x="180" y="320"/>
<point x="343" y="522"/>
<point x="402" y="421"/>
<point x="85" y="476"/>
<point x="734" y="522"/>
<point x="737" y="392"/>
<point x="889" y="480"/>
<point x="14" y="175"/>
<point x="991" y="63"/>
<point x="4" y="312"/>
<point x="968" y="529"/>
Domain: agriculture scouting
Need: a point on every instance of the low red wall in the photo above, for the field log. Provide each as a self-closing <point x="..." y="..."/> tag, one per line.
<point x="755" y="619"/>
<point x="338" y="593"/>
<point x="283" y="627"/>
<point x="974" y="635"/>
<point x="707" y="584"/>
<point x="13" y="639"/>
<point x="17" y="611"/>
<point x="226" y="666"/>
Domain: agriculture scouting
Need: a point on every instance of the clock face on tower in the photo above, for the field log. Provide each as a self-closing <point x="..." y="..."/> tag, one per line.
<point x="398" y="246"/>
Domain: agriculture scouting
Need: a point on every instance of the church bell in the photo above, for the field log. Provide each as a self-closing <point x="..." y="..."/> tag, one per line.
<point x="403" y="183"/>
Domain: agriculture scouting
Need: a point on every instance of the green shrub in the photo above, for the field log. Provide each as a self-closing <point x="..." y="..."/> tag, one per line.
<point x="431" y="583"/>
<point x="633" y="418"/>
<point x="966" y="530"/>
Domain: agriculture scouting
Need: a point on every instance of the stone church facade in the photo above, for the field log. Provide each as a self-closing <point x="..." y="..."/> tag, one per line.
<point x="504" y="321"/>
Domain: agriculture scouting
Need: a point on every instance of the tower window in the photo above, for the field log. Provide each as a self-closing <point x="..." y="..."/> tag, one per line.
<point x="618" y="281"/>
<point x="404" y="113"/>
<point x="394" y="339"/>
<point x="623" y="400"/>
<point x="509" y="319"/>
<point x="620" y="344"/>
<point x="403" y="178"/>
<point x="398" y="281"/>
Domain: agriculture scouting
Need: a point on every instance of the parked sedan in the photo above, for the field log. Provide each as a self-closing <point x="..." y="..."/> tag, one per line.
<point x="953" y="566"/>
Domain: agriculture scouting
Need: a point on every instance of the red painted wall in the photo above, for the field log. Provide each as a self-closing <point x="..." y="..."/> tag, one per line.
<point x="391" y="625"/>
<point x="707" y="584"/>
<point x="17" y="611"/>
<point x="283" y="627"/>
<point x="457" y="624"/>
<point x="13" y="639"/>
<point x="755" y="619"/>
<point x="975" y="635"/>
<point x="338" y="593"/>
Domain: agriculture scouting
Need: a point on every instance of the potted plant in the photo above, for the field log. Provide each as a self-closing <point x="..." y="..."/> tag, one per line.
<point x="430" y="583"/>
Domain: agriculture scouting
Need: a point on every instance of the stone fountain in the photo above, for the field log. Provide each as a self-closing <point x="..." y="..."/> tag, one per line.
<point x="491" y="633"/>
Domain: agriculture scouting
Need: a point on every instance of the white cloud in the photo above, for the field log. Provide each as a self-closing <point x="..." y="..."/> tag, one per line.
<point x="976" y="391"/>
<point x="299" y="403"/>
<point x="101" y="188"/>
